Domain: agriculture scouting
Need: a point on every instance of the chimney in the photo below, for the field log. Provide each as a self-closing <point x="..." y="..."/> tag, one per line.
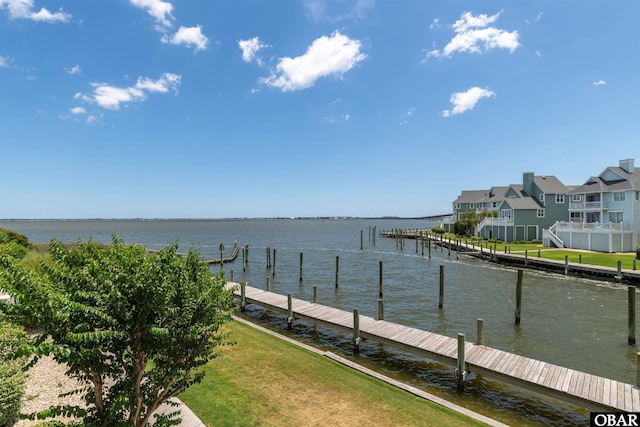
<point x="627" y="165"/>
<point x="527" y="183"/>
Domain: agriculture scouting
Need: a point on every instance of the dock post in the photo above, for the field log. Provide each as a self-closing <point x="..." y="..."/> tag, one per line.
<point x="441" y="299"/>
<point x="449" y="248"/>
<point x="289" y="312"/>
<point x="620" y="271"/>
<point x="634" y="263"/>
<point x="638" y="369"/>
<point x="273" y="267"/>
<point x="632" y="314"/>
<point x="361" y="238"/>
<point x="268" y="258"/>
<point x="461" y="365"/>
<point x="417" y="242"/>
<point x="518" y="297"/>
<point x="457" y="249"/>
<point x="268" y="284"/>
<point x="244" y="260"/>
<point x="375" y="231"/>
<point x="243" y="296"/>
<point x="231" y="275"/>
<point x="337" y="270"/>
<point x="580" y="258"/>
<point x="526" y="256"/>
<point x="538" y="253"/>
<point x="380" y="297"/>
<point x="315" y="294"/>
<point x="356" y="332"/>
<point x="429" y="245"/>
<point x="301" y="255"/>
<point x="480" y="331"/>
<point x="566" y="265"/>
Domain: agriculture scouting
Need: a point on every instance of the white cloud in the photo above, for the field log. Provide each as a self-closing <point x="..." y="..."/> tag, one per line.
<point x="250" y="48"/>
<point x="405" y="116"/>
<point x="188" y="36"/>
<point x="473" y="34"/>
<point x="158" y="9"/>
<point x="5" y="61"/>
<point x="23" y="9"/>
<point x="599" y="83"/>
<point x="334" y="55"/>
<point x="78" y="110"/>
<point x="111" y="97"/>
<point x="74" y="70"/>
<point x="463" y="101"/>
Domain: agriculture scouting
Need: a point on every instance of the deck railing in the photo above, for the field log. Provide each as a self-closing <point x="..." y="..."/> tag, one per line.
<point x="588" y="206"/>
<point x="596" y="226"/>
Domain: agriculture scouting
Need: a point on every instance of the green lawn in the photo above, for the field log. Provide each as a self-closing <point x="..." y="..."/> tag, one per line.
<point x="266" y="381"/>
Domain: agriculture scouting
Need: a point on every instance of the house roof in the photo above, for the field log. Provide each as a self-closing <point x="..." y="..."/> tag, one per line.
<point x="549" y="184"/>
<point x="523" y="203"/>
<point x="597" y="184"/>
<point x="472" y="196"/>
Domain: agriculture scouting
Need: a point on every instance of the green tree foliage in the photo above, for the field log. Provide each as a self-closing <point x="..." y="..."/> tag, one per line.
<point x="13" y="244"/>
<point x="133" y="326"/>
<point x="11" y="376"/>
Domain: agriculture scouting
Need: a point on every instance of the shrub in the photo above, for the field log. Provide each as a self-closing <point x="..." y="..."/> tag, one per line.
<point x="7" y="236"/>
<point x="11" y="376"/>
<point x="13" y="249"/>
<point x="438" y="230"/>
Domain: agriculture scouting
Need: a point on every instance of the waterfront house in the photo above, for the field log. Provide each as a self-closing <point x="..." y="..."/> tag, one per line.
<point x="525" y="210"/>
<point x="604" y="213"/>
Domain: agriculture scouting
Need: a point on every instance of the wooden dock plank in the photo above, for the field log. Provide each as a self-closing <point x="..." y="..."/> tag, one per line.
<point x="523" y="370"/>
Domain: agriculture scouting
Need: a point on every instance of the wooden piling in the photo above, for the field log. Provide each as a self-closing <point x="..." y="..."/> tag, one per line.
<point x="566" y="265"/>
<point x="337" y="270"/>
<point x="619" y="271"/>
<point x="380" y="309"/>
<point x="631" y="291"/>
<point x="315" y="294"/>
<point x="580" y="258"/>
<point x="361" y="240"/>
<point x="460" y="365"/>
<point x="526" y="257"/>
<point x="268" y="284"/>
<point x="301" y="255"/>
<point x="519" y="297"/>
<point x="429" y="245"/>
<point x="268" y="258"/>
<point x="441" y="298"/>
<point x="273" y="266"/>
<point x="231" y="276"/>
<point x="289" y="312"/>
<point x="356" y="331"/>
<point x="480" y="331"/>
<point x="243" y="296"/>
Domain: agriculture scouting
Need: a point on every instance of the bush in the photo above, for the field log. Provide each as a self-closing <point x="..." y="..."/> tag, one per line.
<point x="13" y="249"/>
<point x="438" y="230"/>
<point x="7" y="236"/>
<point x="11" y="376"/>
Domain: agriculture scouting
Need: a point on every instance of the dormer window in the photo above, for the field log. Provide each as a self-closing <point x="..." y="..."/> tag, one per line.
<point x="559" y="198"/>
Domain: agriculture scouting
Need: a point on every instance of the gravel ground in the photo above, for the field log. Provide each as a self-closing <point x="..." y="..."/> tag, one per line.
<point x="46" y="380"/>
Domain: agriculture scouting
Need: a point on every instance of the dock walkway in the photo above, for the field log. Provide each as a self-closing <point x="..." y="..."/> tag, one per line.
<point x="580" y="388"/>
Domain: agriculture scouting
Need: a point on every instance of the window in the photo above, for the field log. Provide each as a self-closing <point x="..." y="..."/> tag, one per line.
<point x="505" y="213"/>
<point x="615" y="217"/>
<point x="618" y="197"/>
<point x="471" y="205"/>
<point x="540" y="213"/>
<point x="542" y="197"/>
<point x="495" y="204"/>
<point x="559" y="198"/>
<point x="576" y="197"/>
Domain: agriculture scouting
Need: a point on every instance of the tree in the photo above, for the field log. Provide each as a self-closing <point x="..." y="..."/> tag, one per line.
<point x="133" y="326"/>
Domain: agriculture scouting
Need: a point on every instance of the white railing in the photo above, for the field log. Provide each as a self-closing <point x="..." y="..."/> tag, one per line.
<point x="585" y="206"/>
<point x="608" y="226"/>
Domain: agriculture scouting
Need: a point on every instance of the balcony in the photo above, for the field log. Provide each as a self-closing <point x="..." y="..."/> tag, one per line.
<point x="588" y="206"/>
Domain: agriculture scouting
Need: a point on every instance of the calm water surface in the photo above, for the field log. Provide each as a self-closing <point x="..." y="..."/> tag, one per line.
<point x="572" y="322"/>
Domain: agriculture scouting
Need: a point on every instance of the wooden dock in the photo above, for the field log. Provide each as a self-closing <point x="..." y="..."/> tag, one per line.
<point x="579" y="388"/>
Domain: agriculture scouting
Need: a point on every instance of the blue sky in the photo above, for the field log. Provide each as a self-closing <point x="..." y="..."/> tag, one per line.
<point x="253" y="108"/>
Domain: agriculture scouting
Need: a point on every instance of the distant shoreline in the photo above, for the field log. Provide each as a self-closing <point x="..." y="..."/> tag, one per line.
<point x="427" y="218"/>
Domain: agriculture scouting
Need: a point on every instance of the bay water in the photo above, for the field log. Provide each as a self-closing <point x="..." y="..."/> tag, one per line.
<point x="574" y="322"/>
